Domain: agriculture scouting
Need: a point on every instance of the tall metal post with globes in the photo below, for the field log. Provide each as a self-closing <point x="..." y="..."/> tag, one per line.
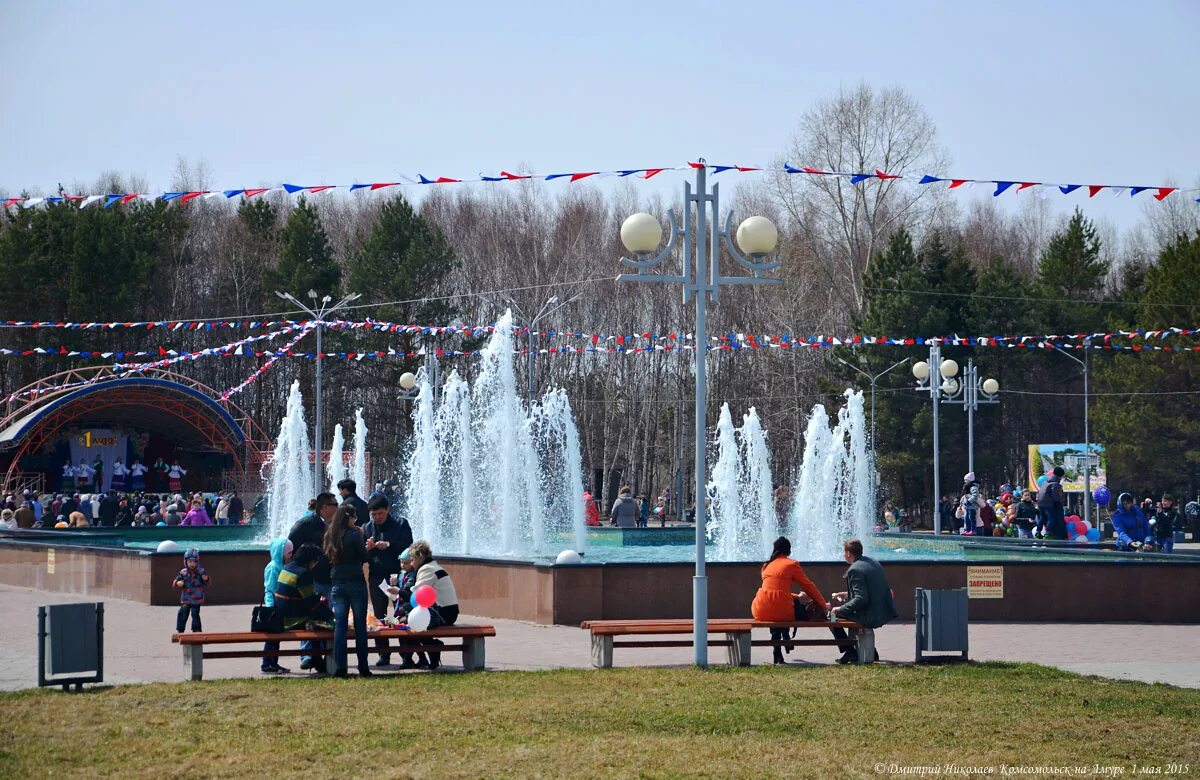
<point x="969" y="394"/>
<point x="947" y="370"/>
<point x="1087" y="434"/>
<point x="320" y="310"/>
<point x="701" y="281"/>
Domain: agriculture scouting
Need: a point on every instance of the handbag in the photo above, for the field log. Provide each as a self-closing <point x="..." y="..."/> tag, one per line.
<point x="266" y="619"/>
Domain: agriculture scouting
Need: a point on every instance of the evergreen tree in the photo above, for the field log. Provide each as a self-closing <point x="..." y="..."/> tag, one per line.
<point x="1153" y="441"/>
<point x="1072" y="268"/>
<point x="306" y="260"/>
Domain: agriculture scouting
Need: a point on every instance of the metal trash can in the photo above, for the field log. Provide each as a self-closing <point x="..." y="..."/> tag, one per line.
<point x="71" y="644"/>
<point x="941" y="621"/>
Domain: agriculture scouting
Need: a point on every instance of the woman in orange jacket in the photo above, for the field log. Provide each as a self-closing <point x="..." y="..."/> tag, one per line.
<point x="775" y="600"/>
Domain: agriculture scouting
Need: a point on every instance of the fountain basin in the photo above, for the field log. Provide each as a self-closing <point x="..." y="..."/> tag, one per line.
<point x="1071" y="587"/>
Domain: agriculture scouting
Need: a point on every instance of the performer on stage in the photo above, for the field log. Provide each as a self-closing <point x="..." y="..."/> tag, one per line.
<point x="68" y="477"/>
<point x="98" y="474"/>
<point x="139" y="475"/>
<point x="118" y="476"/>
<point x="176" y="474"/>
<point x="160" y="473"/>
<point x="83" y="476"/>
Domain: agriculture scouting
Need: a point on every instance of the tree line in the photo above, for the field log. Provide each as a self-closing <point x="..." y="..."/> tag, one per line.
<point x="878" y="258"/>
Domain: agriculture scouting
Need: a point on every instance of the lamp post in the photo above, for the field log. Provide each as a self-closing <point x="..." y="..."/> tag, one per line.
<point x="408" y="380"/>
<point x="1087" y="439"/>
<point x="701" y="280"/>
<point x="319" y="310"/>
<point x="947" y="369"/>
<point x="530" y="325"/>
<point x="872" y="380"/>
<point x="969" y="394"/>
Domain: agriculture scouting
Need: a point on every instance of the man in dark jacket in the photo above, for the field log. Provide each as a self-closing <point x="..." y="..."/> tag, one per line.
<point x="349" y="491"/>
<point x="868" y="595"/>
<point x="108" y="508"/>
<point x="1051" y="501"/>
<point x="1166" y="521"/>
<point x="236" y="508"/>
<point x="310" y="529"/>
<point x="386" y="539"/>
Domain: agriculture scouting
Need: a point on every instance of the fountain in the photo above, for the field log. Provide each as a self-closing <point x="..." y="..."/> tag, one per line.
<point x="487" y="475"/>
<point x="358" y="466"/>
<point x="744" y="522"/>
<point x="834" y="497"/>
<point x="335" y="467"/>
<point x="291" y="476"/>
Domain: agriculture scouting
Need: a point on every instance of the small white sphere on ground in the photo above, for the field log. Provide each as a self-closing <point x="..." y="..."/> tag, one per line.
<point x="568" y="557"/>
<point x="167" y="546"/>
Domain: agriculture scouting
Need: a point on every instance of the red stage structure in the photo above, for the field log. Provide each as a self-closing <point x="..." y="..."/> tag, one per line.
<point x="181" y="413"/>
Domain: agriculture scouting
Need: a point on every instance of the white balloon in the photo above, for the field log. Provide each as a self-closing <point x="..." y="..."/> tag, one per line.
<point x="568" y="557"/>
<point x="418" y="619"/>
<point x="167" y="546"/>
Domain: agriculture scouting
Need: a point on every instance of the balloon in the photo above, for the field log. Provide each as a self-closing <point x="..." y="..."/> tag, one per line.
<point x="1102" y="495"/>
<point x="1093" y="535"/>
<point x="1081" y="528"/>
<point x="1041" y="481"/>
<point x="1088" y="523"/>
<point x="1081" y="538"/>
<point x="418" y="619"/>
<point x="426" y="596"/>
<point x="412" y="600"/>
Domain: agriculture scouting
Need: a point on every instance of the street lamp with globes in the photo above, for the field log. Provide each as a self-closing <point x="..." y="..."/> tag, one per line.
<point x="701" y="280"/>
<point x="947" y="369"/>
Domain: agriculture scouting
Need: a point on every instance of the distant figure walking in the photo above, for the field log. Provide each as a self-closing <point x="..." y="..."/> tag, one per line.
<point x="624" y="512"/>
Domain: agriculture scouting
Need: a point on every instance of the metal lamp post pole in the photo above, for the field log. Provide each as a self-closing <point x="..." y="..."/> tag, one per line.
<point x="872" y="380"/>
<point x="935" y="391"/>
<point x="701" y="246"/>
<point x="1087" y="438"/>
<point x="970" y="394"/>
<point x="323" y="309"/>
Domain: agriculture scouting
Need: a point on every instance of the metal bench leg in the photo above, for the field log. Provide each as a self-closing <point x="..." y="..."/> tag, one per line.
<point x="739" y="648"/>
<point x="193" y="662"/>
<point x="865" y="645"/>
<point x="473" y="655"/>
<point x="602" y="647"/>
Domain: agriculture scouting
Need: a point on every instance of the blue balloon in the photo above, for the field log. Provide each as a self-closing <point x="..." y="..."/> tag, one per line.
<point x="1093" y="534"/>
<point x="1041" y="480"/>
<point x="1102" y="495"/>
<point x="413" y="600"/>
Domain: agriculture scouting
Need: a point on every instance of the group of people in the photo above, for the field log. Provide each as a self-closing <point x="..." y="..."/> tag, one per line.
<point x="89" y="477"/>
<point x="867" y="599"/>
<point x="628" y="511"/>
<point x="1025" y="514"/>
<point x="343" y="558"/>
<point x="112" y="509"/>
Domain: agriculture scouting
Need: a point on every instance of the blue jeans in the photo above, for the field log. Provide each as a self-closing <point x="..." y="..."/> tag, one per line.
<point x="1167" y="544"/>
<point x="349" y="596"/>
<point x="322" y="590"/>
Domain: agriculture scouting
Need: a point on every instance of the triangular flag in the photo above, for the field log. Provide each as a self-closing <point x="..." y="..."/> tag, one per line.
<point x="1094" y="189"/>
<point x="1164" y="192"/>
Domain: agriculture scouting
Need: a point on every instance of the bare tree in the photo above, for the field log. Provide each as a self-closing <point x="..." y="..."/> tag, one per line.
<point x="859" y="130"/>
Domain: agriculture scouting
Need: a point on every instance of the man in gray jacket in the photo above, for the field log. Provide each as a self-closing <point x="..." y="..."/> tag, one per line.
<point x="624" y="512"/>
<point x="868" y="596"/>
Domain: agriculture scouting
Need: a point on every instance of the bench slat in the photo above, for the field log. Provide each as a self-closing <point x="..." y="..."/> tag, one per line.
<point x="671" y="643"/>
<point x="350" y="651"/>
<point x="241" y="637"/>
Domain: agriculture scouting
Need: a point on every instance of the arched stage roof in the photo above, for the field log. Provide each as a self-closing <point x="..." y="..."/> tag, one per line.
<point x="159" y="401"/>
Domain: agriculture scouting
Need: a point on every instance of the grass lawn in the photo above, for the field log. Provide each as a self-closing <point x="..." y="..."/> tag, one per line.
<point x="821" y="722"/>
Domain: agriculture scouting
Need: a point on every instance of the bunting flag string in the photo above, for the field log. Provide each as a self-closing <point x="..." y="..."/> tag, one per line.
<point x="999" y="187"/>
<point x="644" y="341"/>
<point x="172" y="325"/>
<point x="265" y="367"/>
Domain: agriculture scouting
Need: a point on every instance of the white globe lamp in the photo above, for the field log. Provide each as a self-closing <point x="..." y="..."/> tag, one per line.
<point x="948" y="369"/>
<point x="641" y="233"/>
<point x="991" y="386"/>
<point x="950" y="386"/>
<point x="757" y="236"/>
<point x="408" y="380"/>
<point x="921" y="371"/>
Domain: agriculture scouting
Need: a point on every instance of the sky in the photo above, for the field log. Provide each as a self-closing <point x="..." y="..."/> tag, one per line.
<point x="308" y="92"/>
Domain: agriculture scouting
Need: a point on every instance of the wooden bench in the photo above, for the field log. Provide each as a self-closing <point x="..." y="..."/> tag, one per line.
<point x="737" y="641"/>
<point x="472" y="648"/>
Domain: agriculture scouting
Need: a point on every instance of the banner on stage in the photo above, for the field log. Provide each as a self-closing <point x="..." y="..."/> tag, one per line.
<point x="1075" y="463"/>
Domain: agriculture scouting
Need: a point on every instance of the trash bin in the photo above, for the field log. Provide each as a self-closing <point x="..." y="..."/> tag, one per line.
<point x="941" y="621"/>
<point x="71" y="644"/>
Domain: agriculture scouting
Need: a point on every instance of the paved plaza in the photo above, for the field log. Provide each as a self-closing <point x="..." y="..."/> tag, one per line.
<point x="138" y="645"/>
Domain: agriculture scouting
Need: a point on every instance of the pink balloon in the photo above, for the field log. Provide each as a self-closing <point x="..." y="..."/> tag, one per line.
<point x="426" y="596"/>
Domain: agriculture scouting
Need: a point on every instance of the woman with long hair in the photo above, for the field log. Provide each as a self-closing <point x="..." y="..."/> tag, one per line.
<point x="775" y="601"/>
<point x="346" y="550"/>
